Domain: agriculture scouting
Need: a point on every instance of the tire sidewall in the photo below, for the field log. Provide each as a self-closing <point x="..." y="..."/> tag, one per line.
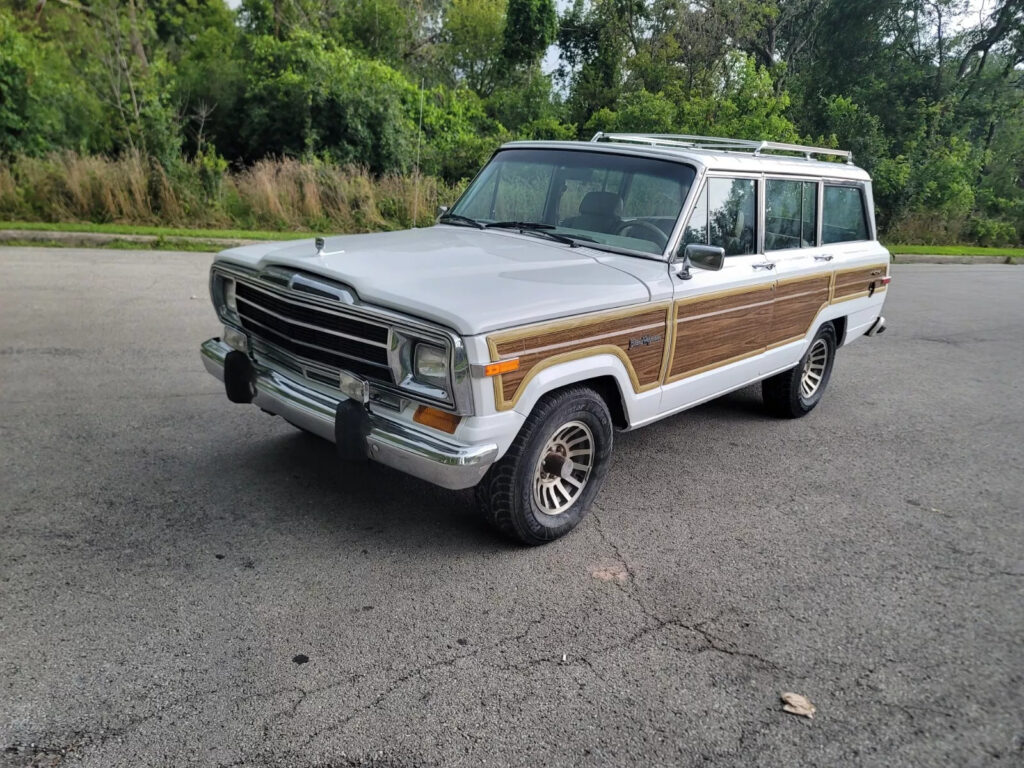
<point x="805" y="404"/>
<point x="591" y="410"/>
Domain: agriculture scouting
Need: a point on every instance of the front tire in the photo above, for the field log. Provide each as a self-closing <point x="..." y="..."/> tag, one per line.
<point x="543" y="486"/>
<point x="794" y="393"/>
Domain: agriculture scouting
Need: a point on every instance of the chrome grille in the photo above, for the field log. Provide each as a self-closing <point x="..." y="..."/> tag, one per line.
<point x="318" y="335"/>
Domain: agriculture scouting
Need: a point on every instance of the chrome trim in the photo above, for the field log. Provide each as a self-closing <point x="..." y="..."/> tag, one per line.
<point x="299" y="289"/>
<point x="689" y="141"/>
<point x="339" y="334"/>
<point x="439" y="460"/>
<point x="877" y="327"/>
<point x="362" y="360"/>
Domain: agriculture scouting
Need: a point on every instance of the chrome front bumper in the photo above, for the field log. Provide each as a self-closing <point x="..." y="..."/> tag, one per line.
<point x="417" y="452"/>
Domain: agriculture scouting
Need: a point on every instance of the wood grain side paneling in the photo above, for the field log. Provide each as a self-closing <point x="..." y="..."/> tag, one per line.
<point x="797" y="303"/>
<point x="635" y="336"/>
<point x="719" y="329"/>
<point x="855" y="283"/>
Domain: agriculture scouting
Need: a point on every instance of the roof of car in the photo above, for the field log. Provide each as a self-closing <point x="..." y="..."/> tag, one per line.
<point x="716" y="157"/>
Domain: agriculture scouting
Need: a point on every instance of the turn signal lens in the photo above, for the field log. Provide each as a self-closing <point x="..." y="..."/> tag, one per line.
<point x="431" y="417"/>
<point x="505" y="366"/>
<point x="886" y="280"/>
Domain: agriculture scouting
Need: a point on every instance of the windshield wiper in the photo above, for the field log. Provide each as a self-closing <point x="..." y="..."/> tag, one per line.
<point x="458" y="218"/>
<point x="535" y="227"/>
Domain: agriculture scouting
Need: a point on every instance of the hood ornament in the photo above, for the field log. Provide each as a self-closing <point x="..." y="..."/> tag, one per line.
<point x="320" y="252"/>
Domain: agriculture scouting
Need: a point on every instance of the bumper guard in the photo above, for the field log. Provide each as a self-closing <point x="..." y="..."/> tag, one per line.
<point x="359" y="431"/>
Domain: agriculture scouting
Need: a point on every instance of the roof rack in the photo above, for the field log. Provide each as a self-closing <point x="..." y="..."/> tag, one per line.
<point x="758" y="148"/>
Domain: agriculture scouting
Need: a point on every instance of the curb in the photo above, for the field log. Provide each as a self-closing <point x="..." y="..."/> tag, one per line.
<point x="167" y="242"/>
<point x="920" y="258"/>
<point x="100" y="239"/>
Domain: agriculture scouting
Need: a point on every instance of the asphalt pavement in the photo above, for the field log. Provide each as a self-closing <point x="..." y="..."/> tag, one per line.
<point x="184" y="581"/>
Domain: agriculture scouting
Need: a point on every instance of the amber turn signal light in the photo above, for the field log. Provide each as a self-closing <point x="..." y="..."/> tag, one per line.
<point x="431" y="417"/>
<point x="505" y="366"/>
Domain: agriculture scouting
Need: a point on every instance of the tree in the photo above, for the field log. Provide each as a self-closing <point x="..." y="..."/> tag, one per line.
<point x="530" y="27"/>
<point x="473" y="30"/>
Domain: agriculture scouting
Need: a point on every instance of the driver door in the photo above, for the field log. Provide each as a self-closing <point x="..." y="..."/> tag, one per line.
<point x="720" y="319"/>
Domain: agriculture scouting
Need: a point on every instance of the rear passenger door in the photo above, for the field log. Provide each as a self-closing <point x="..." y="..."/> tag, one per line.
<point x="792" y="241"/>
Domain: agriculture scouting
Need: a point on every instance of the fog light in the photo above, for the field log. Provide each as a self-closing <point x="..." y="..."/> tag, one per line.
<point x="235" y="339"/>
<point x="353" y="387"/>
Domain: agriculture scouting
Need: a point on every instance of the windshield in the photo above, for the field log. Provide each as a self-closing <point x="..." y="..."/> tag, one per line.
<point x="614" y="202"/>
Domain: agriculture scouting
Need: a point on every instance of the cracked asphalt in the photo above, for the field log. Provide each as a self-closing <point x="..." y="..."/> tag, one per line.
<point x="188" y="582"/>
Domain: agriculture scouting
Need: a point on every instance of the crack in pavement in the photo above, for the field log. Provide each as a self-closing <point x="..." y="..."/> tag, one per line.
<point x="713" y="642"/>
<point x="405" y="677"/>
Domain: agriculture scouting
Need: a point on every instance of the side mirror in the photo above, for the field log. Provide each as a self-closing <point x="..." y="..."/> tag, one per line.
<point x="704" y="256"/>
<point x="441" y="210"/>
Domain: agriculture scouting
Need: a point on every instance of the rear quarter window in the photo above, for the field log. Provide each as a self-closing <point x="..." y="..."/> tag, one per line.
<point x="844" y="218"/>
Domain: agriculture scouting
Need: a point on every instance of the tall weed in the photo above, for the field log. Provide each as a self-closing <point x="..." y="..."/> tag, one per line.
<point x="280" y="194"/>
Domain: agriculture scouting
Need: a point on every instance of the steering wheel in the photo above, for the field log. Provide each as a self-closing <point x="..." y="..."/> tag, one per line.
<point x="648" y="232"/>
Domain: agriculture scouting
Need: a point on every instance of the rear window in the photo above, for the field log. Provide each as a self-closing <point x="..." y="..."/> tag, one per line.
<point x="844" y="218"/>
<point x="790" y="219"/>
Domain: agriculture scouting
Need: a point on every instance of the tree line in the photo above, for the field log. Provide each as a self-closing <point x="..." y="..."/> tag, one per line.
<point x="929" y="95"/>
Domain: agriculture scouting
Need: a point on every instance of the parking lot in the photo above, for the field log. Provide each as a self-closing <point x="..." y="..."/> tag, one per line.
<point x="186" y="581"/>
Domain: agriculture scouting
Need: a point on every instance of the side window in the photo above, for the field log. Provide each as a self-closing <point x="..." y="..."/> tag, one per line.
<point x="790" y="214"/>
<point x="844" y="218"/>
<point x="732" y="213"/>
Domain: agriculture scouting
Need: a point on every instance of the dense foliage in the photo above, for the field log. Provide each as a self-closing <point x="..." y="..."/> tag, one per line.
<point x="928" y="95"/>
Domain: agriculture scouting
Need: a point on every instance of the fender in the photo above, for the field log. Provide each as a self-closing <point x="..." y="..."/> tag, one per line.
<point x="555" y="374"/>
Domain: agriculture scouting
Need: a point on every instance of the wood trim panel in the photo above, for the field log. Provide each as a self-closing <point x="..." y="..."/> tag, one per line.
<point x="798" y="300"/>
<point x="719" y="328"/>
<point x="637" y="336"/>
<point x="707" y="331"/>
<point x="856" y="282"/>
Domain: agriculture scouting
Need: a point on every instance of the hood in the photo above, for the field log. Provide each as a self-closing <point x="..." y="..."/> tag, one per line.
<point x="472" y="281"/>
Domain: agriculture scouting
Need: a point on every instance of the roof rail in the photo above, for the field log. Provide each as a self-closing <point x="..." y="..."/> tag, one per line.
<point x="758" y="148"/>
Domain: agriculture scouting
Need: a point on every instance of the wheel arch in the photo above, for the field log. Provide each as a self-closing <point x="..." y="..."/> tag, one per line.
<point x="603" y="373"/>
<point x="839" y="324"/>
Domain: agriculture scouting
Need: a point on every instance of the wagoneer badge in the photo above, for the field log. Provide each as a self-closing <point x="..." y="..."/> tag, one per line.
<point x="644" y="341"/>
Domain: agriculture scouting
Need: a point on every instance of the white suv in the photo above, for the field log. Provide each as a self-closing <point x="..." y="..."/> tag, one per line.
<point x="574" y="289"/>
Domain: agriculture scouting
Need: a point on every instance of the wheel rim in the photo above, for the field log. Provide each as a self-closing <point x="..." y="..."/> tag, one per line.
<point x="563" y="468"/>
<point x="814" y="369"/>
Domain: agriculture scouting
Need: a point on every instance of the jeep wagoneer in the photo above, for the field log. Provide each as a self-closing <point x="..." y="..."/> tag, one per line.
<point x="574" y="289"/>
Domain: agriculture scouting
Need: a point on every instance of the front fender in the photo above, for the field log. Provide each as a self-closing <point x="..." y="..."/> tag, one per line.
<point x="556" y="374"/>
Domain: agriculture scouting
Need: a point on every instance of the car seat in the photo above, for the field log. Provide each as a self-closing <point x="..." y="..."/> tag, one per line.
<point x="599" y="212"/>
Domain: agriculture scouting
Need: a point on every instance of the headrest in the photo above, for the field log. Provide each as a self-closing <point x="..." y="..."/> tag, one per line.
<point x="601" y="204"/>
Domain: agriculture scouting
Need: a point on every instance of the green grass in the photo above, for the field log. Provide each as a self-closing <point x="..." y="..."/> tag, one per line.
<point x="130" y="229"/>
<point x="246" y="234"/>
<point x="122" y="245"/>
<point x="954" y="250"/>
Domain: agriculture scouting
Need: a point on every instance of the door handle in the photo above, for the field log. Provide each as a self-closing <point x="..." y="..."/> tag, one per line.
<point x="823" y="257"/>
<point x="765" y="265"/>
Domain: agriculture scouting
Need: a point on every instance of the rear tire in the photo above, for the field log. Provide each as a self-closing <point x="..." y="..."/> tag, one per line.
<point x="794" y="393"/>
<point x="543" y="486"/>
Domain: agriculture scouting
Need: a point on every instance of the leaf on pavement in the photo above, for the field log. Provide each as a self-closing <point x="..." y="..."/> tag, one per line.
<point x="796" y="704"/>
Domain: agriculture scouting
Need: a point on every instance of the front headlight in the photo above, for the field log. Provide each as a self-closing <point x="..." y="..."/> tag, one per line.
<point x="230" y="301"/>
<point x="430" y="365"/>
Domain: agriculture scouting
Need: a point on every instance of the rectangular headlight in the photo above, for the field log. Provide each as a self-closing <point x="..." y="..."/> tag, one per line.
<point x="230" y="300"/>
<point x="430" y="365"/>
